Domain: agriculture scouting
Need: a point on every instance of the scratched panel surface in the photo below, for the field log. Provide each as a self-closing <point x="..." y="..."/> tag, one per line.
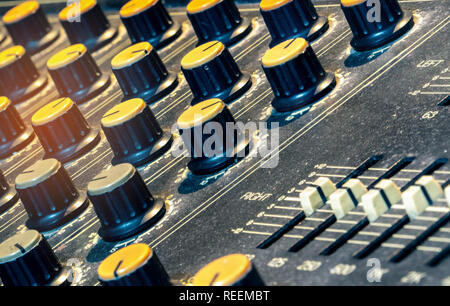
<point x="386" y="103"/>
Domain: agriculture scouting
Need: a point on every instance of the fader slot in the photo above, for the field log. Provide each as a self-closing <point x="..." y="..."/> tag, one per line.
<point x="301" y="216"/>
<point x="439" y="257"/>
<point x="392" y="171"/>
<point x="372" y="246"/>
<point x="332" y="219"/>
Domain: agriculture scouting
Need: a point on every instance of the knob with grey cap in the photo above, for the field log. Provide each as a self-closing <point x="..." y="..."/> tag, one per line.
<point x="49" y="195"/>
<point x="26" y="259"/>
<point x="123" y="202"/>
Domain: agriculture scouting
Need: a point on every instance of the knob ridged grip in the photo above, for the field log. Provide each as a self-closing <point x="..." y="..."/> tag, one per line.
<point x="28" y="26"/>
<point x="8" y="195"/>
<point x="63" y="131"/>
<point x="49" y="195"/>
<point x="133" y="265"/>
<point x="220" y="21"/>
<point x="231" y="145"/>
<point x="123" y="203"/>
<point x="297" y="75"/>
<point x="134" y="134"/>
<point x="297" y="18"/>
<point x="372" y="30"/>
<point x="14" y="134"/>
<point x="149" y="22"/>
<point x="141" y="73"/>
<point x="92" y="29"/>
<point x="31" y="262"/>
<point x="19" y="78"/>
<point x="212" y="72"/>
<point x="76" y="74"/>
<point x="295" y="79"/>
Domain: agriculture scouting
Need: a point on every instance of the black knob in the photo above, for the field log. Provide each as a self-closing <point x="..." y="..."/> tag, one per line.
<point x="229" y="270"/>
<point x="133" y="265"/>
<point x="19" y="78"/>
<point x="134" y="133"/>
<point x="14" y="134"/>
<point x="85" y="23"/>
<point x="49" y="195"/>
<point x="2" y="36"/>
<point x="141" y="73"/>
<point x="8" y="195"/>
<point x="211" y="72"/>
<point x="211" y="138"/>
<point x="123" y="203"/>
<point x="76" y="75"/>
<point x="26" y="259"/>
<point x="217" y="20"/>
<point x="286" y="19"/>
<point x="28" y="26"/>
<point x="62" y="130"/>
<point x="373" y="26"/>
<point x="295" y="75"/>
<point x="148" y="20"/>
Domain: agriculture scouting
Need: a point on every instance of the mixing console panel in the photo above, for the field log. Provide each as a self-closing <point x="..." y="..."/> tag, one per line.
<point x="335" y="173"/>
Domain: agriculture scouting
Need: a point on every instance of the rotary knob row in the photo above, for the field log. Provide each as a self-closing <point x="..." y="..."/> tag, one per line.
<point x="73" y="70"/>
<point x="148" y="20"/>
<point x="292" y="68"/>
<point x="121" y="199"/>
<point x="138" y="265"/>
<point x="27" y="259"/>
<point x="84" y="22"/>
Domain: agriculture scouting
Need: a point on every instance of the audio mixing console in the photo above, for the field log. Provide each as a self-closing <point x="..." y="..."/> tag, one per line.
<point x="335" y="173"/>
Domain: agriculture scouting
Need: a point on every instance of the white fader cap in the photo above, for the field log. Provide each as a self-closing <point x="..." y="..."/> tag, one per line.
<point x="379" y="200"/>
<point x="447" y="194"/>
<point x="315" y="196"/>
<point x="344" y="199"/>
<point x="421" y="195"/>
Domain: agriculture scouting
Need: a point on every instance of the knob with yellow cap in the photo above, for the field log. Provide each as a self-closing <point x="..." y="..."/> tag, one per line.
<point x="295" y="74"/>
<point x="19" y="78"/>
<point x="76" y="74"/>
<point x="62" y="130"/>
<point x="14" y="133"/>
<point x="141" y="73"/>
<point x="28" y="26"/>
<point x="372" y="26"/>
<point x="85" y="23"/>
<point x="8" y="195"/>
<point x="217" y="20"/>
<point x="27" y="259"/>
<point x="211" y="137"/>
<point x="229" y="270"/>
<point x="133" y="265"/>
<point x="49" y="196"/>
<point x="211" y="72"/>
<point x="148" y="20"/>
<point x="286" y="19"/>
<point x="134" y="134"/>
<point x="123" y="203"/>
